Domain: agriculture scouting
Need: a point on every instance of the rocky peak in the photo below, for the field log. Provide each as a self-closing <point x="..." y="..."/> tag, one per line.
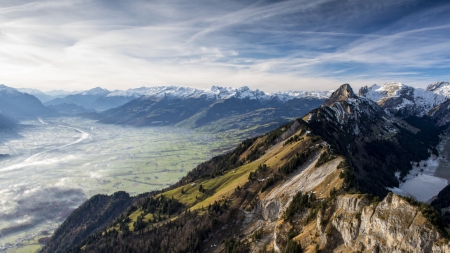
<point x="345" y="107"/>
<point x="364" y="90"/>
<point x="342" y="94"/>
<point x="403" y="100"/>
<point x="437" y="85"/>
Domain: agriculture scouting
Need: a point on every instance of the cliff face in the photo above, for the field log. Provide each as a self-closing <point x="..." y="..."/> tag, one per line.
<point x="393" y="225"/>
<point x="349" y="223"/>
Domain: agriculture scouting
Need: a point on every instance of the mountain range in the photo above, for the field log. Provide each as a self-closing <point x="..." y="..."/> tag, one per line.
<point x="402" y="100"/>
<point x="18" y="105"/>
<point x="150" y="106"/>
<point x="45" y="96"/>
<point x="317" y="184"/>
<point x="101" y="99"/>
<point x="215" y="109"/>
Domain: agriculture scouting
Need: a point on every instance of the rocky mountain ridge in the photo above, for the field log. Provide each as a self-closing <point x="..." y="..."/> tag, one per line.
<point x="313" y="185"/>
<point x="103" y="99"/>
<point x="403" y="100"/>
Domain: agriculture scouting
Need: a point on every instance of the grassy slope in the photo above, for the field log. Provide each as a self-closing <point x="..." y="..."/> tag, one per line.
<point x="223" y="187"/>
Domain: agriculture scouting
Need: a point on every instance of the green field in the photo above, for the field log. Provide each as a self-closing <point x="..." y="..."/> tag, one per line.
<point x="54" y="167"/>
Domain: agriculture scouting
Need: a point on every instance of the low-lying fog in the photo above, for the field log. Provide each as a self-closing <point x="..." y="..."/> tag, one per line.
<point x="56" y="164"/>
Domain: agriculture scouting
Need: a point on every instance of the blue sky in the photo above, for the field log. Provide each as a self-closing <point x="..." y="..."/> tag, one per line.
<point x="270" y="45"/>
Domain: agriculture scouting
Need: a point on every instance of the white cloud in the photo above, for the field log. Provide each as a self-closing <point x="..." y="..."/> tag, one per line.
<point x="287" y="45"/>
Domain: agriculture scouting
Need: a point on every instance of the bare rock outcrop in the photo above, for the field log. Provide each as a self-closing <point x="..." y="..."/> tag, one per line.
<point x="392" y="225"/>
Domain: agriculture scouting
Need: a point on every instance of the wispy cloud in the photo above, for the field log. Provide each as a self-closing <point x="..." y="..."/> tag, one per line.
<point x="302" y="44"/>
<point x="37" y="6"/>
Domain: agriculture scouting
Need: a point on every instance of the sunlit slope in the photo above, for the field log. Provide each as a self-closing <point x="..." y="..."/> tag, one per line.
<point x="270" y="168"/>
<point x="223" y="187"/>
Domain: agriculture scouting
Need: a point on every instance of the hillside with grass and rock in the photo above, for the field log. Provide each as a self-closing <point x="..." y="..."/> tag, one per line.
<point x="317" y="184"/>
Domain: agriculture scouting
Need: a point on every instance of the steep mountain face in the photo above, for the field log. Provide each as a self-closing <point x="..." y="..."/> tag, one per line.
<point x="18" y="105"/>
<point x="295" y="189"/>
<point x="392" y="225"/>
<point x="81" y="226"/>
<point x="402" y="100"/>
<point x="362" y="131"/>
<point x="441" y="114"/>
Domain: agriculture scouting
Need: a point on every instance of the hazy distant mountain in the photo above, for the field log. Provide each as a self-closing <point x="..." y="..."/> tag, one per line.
<point x="216" y="108"/>
<point x="96" y="99"/>
<point x="60" y="93"/>
<point x="70" y="109"/>
<point x="46" y="96"/>
<point x="86" y="99"/>
<point x="19" y="105"/>
<point x="38" y="94"/>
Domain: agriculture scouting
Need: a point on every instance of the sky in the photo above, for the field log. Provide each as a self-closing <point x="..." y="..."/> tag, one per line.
<point x="268" y="45"/>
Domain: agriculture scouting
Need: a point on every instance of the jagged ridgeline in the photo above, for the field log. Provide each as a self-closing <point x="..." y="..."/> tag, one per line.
<point x="295" y="189"/>
<point x="376" y="145"/>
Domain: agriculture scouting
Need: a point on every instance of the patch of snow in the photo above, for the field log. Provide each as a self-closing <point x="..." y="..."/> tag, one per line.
<point x="373" y="93"/>
<point x="95" y="92"/>
<point x="420" y="183"/>
<point x="427" y="167"/>
<point x="60" y="93"/>
<point x="8" y="90"/>
<point x="31" y="91"/>
<point x="356" y="130"/>
<point x="405" y="102"/>
<point x="424" y="187"/>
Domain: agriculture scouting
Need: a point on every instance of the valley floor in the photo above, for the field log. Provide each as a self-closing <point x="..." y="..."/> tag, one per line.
<point x="55" y="164"/>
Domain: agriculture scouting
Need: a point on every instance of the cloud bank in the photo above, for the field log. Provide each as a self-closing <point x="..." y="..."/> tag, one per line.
<point x="270" y="45"/>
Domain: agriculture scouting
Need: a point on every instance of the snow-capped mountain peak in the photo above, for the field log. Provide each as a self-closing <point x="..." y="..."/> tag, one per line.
<point x="400" y="98"/>
<point x="438" y="86"/>
<point x="387" y="90"/>
<point x="218" y="93"/>
<point x="31" y="91"/>
<point x="97" y="91"/>
<point x="8" y="90"/>
<point x="346" y="110"/>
